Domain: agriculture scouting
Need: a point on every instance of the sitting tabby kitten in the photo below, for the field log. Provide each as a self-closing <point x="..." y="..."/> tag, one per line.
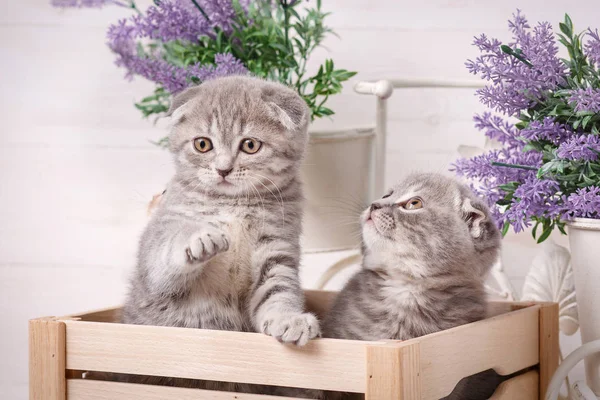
<point x="427" y="245"/>
<point x="221" y="250"/>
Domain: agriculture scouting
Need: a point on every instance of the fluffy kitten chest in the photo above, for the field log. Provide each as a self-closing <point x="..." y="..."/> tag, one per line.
<point x="409" y="312"/>
<point x="229" y="274"/>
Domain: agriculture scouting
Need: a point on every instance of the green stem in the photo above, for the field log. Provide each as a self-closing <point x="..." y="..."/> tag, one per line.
<point x="201" y="10"/>
<point x="134" y="6"/>
<point x="516" y="166"/>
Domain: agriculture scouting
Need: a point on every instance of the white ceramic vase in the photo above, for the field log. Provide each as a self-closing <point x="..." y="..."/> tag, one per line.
<point x="584" y="239"/>
<point x="338" y="184"/>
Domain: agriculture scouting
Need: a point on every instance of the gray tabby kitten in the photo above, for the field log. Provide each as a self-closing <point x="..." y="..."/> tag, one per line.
<point x="427" y="245"/>
<point x="221" y="250"/>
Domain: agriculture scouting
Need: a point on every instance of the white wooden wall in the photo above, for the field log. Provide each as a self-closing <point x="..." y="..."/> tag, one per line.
<point x="76" y="167"/>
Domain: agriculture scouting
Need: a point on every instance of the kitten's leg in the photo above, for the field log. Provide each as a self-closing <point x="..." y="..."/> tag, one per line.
<point x="277" y="302"/>
<point x="174" y="253"/>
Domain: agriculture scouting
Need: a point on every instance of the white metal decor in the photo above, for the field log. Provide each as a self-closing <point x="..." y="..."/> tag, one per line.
<point x="500" y="287"/>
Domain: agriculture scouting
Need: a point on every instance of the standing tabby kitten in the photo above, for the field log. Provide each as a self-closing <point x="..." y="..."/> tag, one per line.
<point x="221" y="250"/>
<point x="427" y="245"/>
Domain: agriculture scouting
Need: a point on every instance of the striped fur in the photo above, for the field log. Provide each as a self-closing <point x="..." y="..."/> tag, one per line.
<point x="222" y="255"/>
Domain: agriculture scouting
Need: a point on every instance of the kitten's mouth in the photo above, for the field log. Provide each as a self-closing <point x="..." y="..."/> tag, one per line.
<point x="224" y="182"/>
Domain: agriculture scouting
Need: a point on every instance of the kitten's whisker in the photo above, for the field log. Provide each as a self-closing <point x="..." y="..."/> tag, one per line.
<point x="263" y="206"/>
<point x="280" y="199"/>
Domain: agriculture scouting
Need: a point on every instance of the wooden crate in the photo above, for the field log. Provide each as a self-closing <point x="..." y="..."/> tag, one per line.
<point x="516" y="337"/>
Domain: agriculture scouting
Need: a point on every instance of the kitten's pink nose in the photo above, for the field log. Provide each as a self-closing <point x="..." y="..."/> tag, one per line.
<point x="224" y="172"/>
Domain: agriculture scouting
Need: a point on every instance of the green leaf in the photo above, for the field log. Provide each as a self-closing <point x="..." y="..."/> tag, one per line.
<point x="564" y="28"/>
<point x="561" y="227"/>
<point x="568" y="22"/>
<point x="505" y="228"/>
<point x="534" y="230"/>
<point x="509" y="187"/>
<point x="546" y="233"/>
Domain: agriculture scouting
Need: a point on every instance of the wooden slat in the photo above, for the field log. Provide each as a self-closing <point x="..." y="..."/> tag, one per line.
<point x="549" y="349"/>
<point x="502" y="307"/>
<point x="317" y="301"/>
<point x="47" y="359"/>
<point x="393" y="372"/>
<point x="112" y="314"/>
<point x="507" y="343"/>
<point x="522" y="387"/>
<point x="81" y="389"/>
<point x="328" y="364"/>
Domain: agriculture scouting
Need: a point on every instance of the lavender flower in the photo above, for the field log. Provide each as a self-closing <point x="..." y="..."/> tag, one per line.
<point x="547" y="130"/>
<point x="496" y="128"/>
<point x="226" y="65"/>
<point x="172" y="20"/>
<point x="592" y="47"/>
<point x="587" y="99"/>
<point x="580" y="148"/>
<point x="518" y="82"/>
<point x="534" y="198"/>
<point x="584" y="203"/>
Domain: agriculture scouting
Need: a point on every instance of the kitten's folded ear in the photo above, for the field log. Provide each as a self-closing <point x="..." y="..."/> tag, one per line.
<point x="180" y="99"/>
<point x="286" y="107"/>
<point x="476" y="215"/>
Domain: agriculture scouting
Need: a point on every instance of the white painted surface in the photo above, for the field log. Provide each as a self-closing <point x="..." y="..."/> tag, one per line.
<point x="584" y="236"/>
<point x="76" y="168"/>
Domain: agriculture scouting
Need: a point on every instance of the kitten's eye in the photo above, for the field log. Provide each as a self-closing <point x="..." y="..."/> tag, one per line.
<point x="203" y="144"/>
<point x="413" y="204"/>
<point x="387" y="195"/>
<point x="250" y="146"/>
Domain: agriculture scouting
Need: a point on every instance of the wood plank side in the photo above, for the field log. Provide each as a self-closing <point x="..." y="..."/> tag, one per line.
<point x="328" y="364"/>
<point x="507" y="343"/>
<point x="81" y="389"/>
<point x="111" y="314"/>
<point x="47" y="359"/>
<point x="522" y="387"/>
<point x="393" y="372"/>
<point x="317" y="301"/>
<point x="549" y="350"/>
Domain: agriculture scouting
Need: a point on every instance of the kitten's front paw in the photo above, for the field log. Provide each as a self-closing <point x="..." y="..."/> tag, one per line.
<point x="293" y="328"/>
<point x="206" y="244"/>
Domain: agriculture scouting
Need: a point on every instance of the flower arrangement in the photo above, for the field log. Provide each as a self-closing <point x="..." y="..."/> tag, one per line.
<point x="545" y="111"/>
<point x="179" y="43"/>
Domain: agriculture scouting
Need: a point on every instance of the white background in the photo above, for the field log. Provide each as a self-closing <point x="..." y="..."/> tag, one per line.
<point x="77" y="168"/>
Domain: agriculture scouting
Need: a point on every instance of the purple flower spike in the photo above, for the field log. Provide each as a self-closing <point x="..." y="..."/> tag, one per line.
<point x="518" y="82"/>
<point x="585" y="203"/>
<point x="587" y="99"/>
<point x="547" y="130"/>
<point x="226" y="65"/>
<point x="580" y="148"/>
<point x="592" y="47"/>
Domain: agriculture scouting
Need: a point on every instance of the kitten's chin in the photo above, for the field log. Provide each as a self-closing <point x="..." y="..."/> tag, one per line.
<point x="370" y="234"/>
<point x="228" y="189"/>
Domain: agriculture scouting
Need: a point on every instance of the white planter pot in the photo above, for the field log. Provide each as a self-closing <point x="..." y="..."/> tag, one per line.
<point x="338" y="184"/>
<point x="584" y="239"/>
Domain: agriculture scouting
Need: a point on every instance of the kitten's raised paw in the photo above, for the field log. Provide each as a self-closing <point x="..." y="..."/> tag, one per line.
<point x="293" y="328"/>
<point x="206" y="244"/>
